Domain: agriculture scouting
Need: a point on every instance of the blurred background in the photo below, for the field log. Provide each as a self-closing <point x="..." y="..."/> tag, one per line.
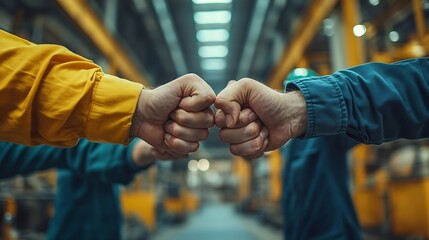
<point x="213" y="192"/>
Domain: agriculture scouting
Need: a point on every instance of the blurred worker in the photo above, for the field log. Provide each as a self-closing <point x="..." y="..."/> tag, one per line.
<point x="87" y="200"/>
<point x="316" y="199"/>
<point x="50" y="95"/>
<point x="371" y="103"/>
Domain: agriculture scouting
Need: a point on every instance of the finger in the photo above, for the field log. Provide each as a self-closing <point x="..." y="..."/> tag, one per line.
<point x="230" y="100"/>
<point x="250" y="148"/>
<point x="151" y="133"/>
<point x="246" y="116"/>
<point x="202" y="119"/>
<point x="231" y="82"/>
<point x="197" y="94"/>
<point x="185" y="133"/>
<point x="164" y="154"/>
<point x="240" y="135"/>
<point x="179" y="145"/>
<point x="254" y="156"/>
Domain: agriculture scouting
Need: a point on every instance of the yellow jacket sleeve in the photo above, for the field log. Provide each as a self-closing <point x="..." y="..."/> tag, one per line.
<point x="49" y="95"/>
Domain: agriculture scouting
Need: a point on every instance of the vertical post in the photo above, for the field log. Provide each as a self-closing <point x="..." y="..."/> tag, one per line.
<point x="353" y="45"/>
<point x="419" y="18"/>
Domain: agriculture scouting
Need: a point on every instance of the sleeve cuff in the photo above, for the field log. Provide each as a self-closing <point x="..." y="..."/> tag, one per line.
<point x="113" y="104"/>
<point x="326" y="108"/>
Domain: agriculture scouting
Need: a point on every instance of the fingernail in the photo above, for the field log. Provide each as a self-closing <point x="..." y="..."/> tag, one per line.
<point x="252" y="116"/>
<point x="167" y="136"/>
<point x="195" y="148"/>
<point x="229" y="121"/>
<point x="264" y="133"/>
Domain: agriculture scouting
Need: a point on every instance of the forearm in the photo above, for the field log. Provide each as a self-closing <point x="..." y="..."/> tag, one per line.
<point x="53" y="96"/>
<point x="372" y="103"/>
<point x="18" y="159"/>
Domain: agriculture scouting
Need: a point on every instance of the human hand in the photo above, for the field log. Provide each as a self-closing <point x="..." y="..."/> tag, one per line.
<point x="282" y="116"/>
<point x="176" y="115"/>
<point x="144" y="154"/>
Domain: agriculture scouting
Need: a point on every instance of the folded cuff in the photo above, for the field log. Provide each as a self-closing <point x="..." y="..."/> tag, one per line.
<point x="326" y="108"/>
<point x="113" y="104"/>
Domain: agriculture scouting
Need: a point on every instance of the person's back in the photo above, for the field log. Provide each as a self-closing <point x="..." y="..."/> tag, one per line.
<point x="316" y="199"/>
<point x="85" y="208"/>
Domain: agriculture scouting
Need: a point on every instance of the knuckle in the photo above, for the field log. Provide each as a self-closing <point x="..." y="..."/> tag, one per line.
<point x="252" y="129"/>
<point x="258" y="144"/>
<point x="233" y="150"/>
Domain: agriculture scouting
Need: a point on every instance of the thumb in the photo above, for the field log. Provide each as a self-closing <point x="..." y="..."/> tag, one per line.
<point x="196" y="93"/>
<point x="228" y="100"/>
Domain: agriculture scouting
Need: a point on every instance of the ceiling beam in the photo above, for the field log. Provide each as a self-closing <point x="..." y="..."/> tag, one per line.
<point x="304" y="33"/>
<point x="88" y="21"/>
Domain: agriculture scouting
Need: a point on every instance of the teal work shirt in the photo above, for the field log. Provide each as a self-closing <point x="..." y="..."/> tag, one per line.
<point x="87" y="203"/>
<point x="316" y="200"/>
<point x="371" y="103"/>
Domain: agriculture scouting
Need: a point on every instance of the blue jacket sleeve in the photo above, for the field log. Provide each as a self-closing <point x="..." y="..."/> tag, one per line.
<point x="105" y="162"/>
<point x="371" y="103"/>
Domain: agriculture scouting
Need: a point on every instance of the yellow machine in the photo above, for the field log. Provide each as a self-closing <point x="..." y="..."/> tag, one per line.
<point x="139" y="199"/>
<point x="392" y="198"/>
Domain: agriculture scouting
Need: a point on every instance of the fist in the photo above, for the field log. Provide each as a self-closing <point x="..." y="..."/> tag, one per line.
<point x="281" y="116"/>
<point x="175" y="116"/>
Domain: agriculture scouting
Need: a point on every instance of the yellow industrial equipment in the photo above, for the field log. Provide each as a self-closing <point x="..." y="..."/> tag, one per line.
<point x="409" y="191"/>
<point x="139" y="199"/>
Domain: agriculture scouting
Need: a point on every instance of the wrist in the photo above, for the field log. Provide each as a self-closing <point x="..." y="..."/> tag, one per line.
<point x="138" y="116"/>
<point x="142" y="154"/>
<point x="297" y="112"/>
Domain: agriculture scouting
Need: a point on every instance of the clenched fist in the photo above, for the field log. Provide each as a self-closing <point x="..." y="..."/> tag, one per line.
<point x="176" y="115"/>
<point x="281" y="116"/>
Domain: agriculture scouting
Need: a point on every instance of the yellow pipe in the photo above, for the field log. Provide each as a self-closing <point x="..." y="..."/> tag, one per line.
<point x="353" y="44"/>
<point x="419" y="19"/>
<point x="87" y="20"/>
<point x="306" y="29"/>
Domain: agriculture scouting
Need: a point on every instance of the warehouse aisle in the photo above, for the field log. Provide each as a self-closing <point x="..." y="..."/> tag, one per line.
<point x="218" y="221"/>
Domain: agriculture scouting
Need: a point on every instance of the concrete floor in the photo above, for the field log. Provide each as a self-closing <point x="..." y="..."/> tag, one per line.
<point x="218" y="221"/>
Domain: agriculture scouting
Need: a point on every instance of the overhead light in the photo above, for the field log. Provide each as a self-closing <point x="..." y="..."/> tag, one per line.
<point x="213" y="35"/>
<point x="217" y="51"/>
<point x="213" y="64"/>
<point x="374" y="2"/>
<point x="212" y="17"/>
<point x="210" y="1"/>
<point x="359" y="30"/>
<point x="394" y="36"/>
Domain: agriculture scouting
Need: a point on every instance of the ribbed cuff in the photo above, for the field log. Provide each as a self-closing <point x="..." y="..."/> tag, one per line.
<point x="113" y="104"/>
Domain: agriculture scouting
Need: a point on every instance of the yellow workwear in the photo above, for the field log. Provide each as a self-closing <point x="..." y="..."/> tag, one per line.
<point x="49" y="95"/>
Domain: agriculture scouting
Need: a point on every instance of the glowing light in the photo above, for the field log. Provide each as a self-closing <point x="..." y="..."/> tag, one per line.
<point x="213" y="51"/>
<point x="394" y="36"/>
<point x="359" y="30"/>
<point x="213" y="64"/>
<point x="210" y="1"/>
<point x="203" y="164"/>
<point x="193" y="165"/>
<point x="213" y="35"/>
<point x="212" y="17"/>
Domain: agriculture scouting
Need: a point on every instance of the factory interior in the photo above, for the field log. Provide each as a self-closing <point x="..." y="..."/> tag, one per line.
<point x="213" y="194"/>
